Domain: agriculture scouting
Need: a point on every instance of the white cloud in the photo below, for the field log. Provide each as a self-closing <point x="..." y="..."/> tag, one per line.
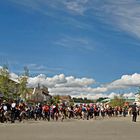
<point x="90" y="96"/>
<point x="82" y="87"/>
<point x="77" y="6"/>
<point x="102" y="95"/>
<point x="123" y="14"/>
<point x="129" y="95"/>
<point x="36" y="69"/>
<point x="125" y="82"/>
<point x="35" y="66"/>
<point x="69" y="85"/>
<point x="59" y="81"/>
<point x="76" y="43"/>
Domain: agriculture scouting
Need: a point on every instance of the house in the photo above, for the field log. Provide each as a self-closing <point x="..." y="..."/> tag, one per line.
<point x="64" y="98"/>
<point x="38" y="94"/>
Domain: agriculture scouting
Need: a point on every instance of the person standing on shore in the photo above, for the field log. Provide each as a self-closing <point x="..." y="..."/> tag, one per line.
<point x="134" y="112"/>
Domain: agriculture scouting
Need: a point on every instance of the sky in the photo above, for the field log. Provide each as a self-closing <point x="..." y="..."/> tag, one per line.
<point x="82" y="48"/>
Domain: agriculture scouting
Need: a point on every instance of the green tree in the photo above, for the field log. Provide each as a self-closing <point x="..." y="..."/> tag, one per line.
<point x="117" y="101"/>
<point x="138" y="93"/>
<point x="56" y="99"/>
<point x="23" y="80"/>
<point x="4" y="81"/>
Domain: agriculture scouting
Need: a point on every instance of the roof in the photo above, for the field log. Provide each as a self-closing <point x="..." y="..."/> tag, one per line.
<point x="12" y="79"/>
<point x="105" y="100"/>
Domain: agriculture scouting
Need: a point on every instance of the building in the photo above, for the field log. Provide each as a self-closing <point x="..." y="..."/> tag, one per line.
<point x="38" y="94"/>
<point x="64" y="99"/>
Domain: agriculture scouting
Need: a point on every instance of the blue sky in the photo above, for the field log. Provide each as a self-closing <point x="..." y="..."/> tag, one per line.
<point x="97" y="39"/>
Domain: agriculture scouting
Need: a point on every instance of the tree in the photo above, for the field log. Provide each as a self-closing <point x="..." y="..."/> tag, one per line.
<point x="26" y="71"/>
<point x="117" y="101"/>
<point x="56" y="99"/>
<point x="23" y="80"/>
<point x="4" y="81"/>
<point x="138" y="94"/>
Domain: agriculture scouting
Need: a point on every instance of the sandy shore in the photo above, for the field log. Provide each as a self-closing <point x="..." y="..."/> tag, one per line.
<point x="102" y="129"/>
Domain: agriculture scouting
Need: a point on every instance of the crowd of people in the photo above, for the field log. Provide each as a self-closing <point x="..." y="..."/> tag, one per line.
<point x="11" y="111"/>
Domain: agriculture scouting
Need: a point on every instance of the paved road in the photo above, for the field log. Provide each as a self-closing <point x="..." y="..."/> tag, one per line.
<point x="107" y="129"/>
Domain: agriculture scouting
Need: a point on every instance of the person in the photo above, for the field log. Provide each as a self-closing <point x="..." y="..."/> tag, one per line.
<point x="46" y="110"/>
<point x="134" y="112"/>
<point x="13" y="112"/>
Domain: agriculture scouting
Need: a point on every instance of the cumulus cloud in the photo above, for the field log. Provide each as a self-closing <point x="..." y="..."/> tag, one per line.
<point x="59" y="81"/>
<point x="125" y="82"/>
<point x="82" y="87"/>
<point x="102" y="95"/>
<point x="63" y="85"/>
